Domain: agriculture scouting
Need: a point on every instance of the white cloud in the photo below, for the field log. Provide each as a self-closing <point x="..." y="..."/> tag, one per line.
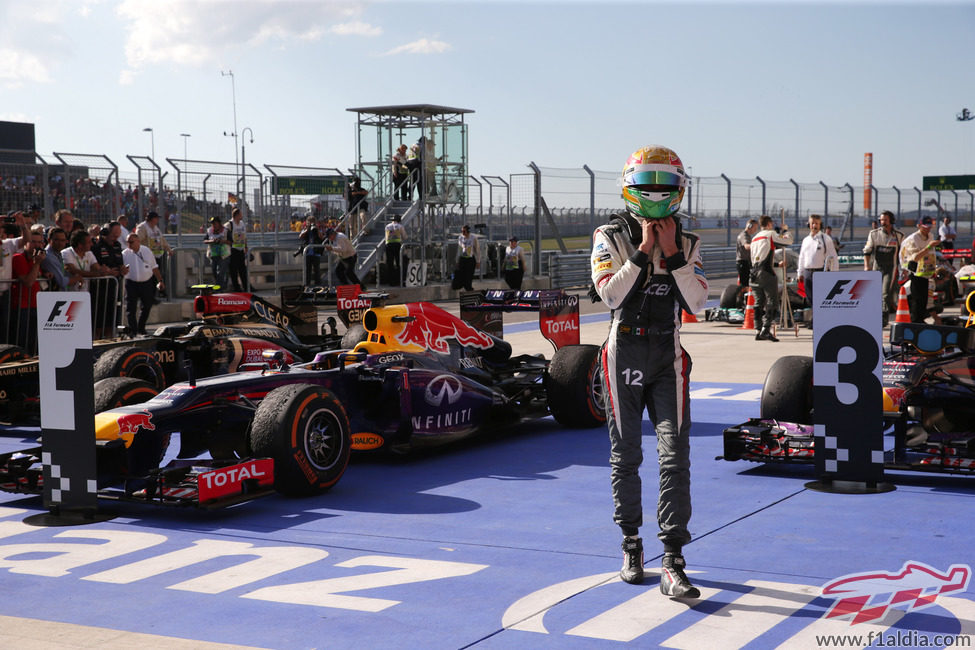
<point x="198" y="33"/>
<point x="421" y="46"/>
<point x="356" y="28"/>
<point x="18" y="67"/>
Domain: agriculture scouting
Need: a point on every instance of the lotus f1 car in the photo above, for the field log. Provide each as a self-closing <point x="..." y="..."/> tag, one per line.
<point x="424" y="377"/>
<point x="929" y="405"/>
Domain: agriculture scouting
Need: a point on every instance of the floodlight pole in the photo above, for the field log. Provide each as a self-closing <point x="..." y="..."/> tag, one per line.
<point x="233" y="88"/>
<point x="243" y="173"/>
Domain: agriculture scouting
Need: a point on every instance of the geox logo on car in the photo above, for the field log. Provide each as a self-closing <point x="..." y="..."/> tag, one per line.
<point x="843" y="297"/>
<point x="443" y="387"/>
<point x="867" y="596"/>
<point x="63" y="315"/>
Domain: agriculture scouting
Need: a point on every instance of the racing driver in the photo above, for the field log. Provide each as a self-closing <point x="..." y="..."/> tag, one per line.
<point x="646" y="270"/>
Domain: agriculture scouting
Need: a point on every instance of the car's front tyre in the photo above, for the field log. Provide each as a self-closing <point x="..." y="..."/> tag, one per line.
<point x="306" y="430"/>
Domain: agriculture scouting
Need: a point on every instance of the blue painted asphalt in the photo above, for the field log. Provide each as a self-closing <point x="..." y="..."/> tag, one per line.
<point x="505" y="542"/>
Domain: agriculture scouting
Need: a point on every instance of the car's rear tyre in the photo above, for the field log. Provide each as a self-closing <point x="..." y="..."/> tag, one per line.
<point x="306" y="430"/>
<point x="574" y="386"/>
<point x="788" y="389"/>
<point x="355" y="334"/>
<point x="114" y="392"/>
<point x="10" y="353"/>
<point x="130" y="362"/>
<point x="729" y="297"/>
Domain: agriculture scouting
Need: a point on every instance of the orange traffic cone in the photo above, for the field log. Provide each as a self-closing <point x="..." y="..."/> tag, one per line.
<point x="749" y="323"/>
<point x="687" y="317"/>
<point x="903" y="310"/>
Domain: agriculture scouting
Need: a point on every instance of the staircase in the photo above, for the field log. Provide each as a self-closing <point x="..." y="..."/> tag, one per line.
<point x="370" y="243"/>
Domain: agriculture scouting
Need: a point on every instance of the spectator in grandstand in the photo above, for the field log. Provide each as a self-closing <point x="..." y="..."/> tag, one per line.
<point x="311" y="247"/>
<point x="237" y="235"/>
<point x="514" y="264"/>
<point x="742" y="251"/>
<point x="947" y="233"/>
<point x="53" y="265"/>
<point x="341" y="246"/>
<point x="918" y="259"/>
<point x="151" y="237"/>
<point x="763" y="281"/>
<point x="395" y="234"/>
<point x="173" y="222"/>
<point x="817" y="253"/>
<point x="218" y="250"/>
<point x="26" y="273"/>
<point x="880" y="254"/>
<point x="468" y="259"/>
<point x="400" y="173"/>
<point x="142" y="281"/>
<point x="79" y="260"/>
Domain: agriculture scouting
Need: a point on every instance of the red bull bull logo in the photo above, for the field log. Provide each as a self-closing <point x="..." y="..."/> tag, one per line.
<point x="866" y="597"/>
<point x="432" y="327"/>
<point x="130" y="423"/>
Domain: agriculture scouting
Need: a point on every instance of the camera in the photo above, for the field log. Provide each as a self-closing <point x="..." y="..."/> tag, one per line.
<point x="10" y="219"/>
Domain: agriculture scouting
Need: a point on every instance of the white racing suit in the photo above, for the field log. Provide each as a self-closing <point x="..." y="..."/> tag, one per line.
<point x="645" y="366"/>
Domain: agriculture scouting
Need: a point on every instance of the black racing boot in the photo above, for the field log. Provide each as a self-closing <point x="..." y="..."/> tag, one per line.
<point x="632" y="571"/>
<point x="673" y="582"/>
<point x="766" y="335"/>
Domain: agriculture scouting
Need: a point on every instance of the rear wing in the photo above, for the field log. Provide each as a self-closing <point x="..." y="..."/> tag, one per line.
<point x="558" y="312"/>
<point x="350" y="301"/>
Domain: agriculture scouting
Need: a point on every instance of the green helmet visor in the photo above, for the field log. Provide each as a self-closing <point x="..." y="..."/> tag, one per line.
<point x="656" y="208"/>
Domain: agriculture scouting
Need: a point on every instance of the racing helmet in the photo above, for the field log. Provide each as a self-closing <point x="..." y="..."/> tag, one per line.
<point x="653" y="182"/>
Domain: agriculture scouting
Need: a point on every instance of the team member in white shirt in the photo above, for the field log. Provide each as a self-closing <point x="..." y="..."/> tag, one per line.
<point x="141" y="283"/>
<point x="341" y="246"/>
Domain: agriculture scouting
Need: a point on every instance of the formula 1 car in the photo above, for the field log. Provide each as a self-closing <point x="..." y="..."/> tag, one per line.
<point x="424" y="377"/>
<point x="928" y="405"/>
<point x="231" y="329"/>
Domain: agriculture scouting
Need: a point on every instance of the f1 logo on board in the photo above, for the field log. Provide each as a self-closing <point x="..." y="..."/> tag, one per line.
<point x="62" y="315"/>
<point x="842" y="296"/>
<point x="867" y="596"/>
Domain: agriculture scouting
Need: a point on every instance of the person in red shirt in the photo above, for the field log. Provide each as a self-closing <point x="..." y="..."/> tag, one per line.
<point x="26" y="271"/>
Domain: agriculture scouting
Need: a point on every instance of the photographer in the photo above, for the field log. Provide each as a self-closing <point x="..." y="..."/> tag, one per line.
<point x="311" y="240"/>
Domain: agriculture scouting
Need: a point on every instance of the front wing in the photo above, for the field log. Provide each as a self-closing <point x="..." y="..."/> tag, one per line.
<point x="206" y="484"/>
<point x="772" y="441"/>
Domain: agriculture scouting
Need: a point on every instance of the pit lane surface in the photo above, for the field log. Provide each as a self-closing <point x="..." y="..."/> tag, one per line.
<point x="505" y="542"/>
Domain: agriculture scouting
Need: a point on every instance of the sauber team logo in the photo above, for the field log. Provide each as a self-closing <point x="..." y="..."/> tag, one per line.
<point x="867" y="596"/>
<point x="443" y="387"/>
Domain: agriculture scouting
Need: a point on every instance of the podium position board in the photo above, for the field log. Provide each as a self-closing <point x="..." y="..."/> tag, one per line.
<point x="67" y="400"/>
<point x="847" y="367"/>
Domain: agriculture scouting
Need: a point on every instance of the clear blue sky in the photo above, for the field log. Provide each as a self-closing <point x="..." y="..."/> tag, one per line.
<point x="781" y="90"/>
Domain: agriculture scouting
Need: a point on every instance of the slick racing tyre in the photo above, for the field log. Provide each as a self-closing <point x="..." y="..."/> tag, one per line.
<point x="787" y="393"/>
<point x="113" y="392"/>
<point x="574" y="386"/>
<point x="355" y="334"/>
<point x="10" y="353"/>
<point x="131" y="362"/>
<point x="305" y="429"/>
<point x="729" y="297"/>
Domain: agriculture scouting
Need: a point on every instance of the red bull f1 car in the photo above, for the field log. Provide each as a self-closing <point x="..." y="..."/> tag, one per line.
<point x="929" y="405"/>
<point x="231" y="329"/>
<point x="423" y="377"/>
